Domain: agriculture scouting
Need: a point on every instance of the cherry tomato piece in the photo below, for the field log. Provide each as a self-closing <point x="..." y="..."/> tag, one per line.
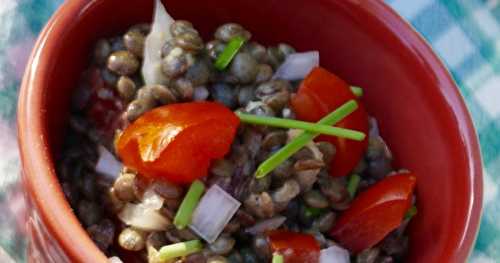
<point x="375" y="212"/>
<point x="177" y="142"/>
<point x="320" y="93"/>
<point x="294" y="247"/>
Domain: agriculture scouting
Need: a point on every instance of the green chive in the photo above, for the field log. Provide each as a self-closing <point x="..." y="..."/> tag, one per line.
<point x="306" y="126"/>
<point x="358" y="92"/>
<point x="352" y="184"/>
<point x="229" y="52"/>
<point x="181" y="249"/>
<point x="300" y="141"/>
<point x="183" y="215"/>
<point x="411" y="212"/>
<point x="277" y="258"/>
<point x="312" y="212"/>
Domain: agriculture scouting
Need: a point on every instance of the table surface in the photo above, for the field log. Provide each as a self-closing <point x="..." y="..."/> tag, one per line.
<point x="464" y="33"/>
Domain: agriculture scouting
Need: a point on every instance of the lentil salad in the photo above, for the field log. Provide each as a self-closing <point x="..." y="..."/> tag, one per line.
<point x="307" y="198"/>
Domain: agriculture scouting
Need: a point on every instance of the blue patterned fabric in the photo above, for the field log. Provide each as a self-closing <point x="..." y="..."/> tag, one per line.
<point x="464" y="33"/>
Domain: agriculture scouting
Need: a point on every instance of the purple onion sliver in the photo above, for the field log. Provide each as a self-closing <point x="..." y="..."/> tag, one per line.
<point x="297" y="66"/>
<point x="107" y="164"/>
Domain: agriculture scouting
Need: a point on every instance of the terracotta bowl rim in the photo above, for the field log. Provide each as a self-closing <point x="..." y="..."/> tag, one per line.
<point x="38" y="169"/>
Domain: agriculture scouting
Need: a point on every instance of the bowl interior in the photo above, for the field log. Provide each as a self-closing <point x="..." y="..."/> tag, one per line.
<point x="420" y="113"/>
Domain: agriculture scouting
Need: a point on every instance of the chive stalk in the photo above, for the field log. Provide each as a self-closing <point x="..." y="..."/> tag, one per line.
<point x="357" y="91"/>
<point x="300" y="141"/>
<point x="302" y="125"/>
<point x="411" y="212"/>
<point x="229" y="52"/>
<point x="352" y="184"/>
<point x="277" y="258"/>
<point x="312" y="212"/>
<point x="189" y="203"/>
<point x="181" y="249"/>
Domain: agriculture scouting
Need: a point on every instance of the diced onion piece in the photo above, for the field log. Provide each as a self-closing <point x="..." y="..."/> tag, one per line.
<point x="334" y="254"/>
<point x="142" y="217"/>
<point x="293" y="133"/>
<point x="387" y="150"/>
<point x="107" y="164"/>
<point x="114" y="260"/>
<point x="266" y="225"/>
<point x="297" y="65"/>
<point x="159" y="35"/>
<point x="152" y="253"/>
<point x="375" y="134"/>
<point x="213" y="213"/>
<point x="374" y="131"/>
<point x="318" y="155"/>
<point x="152" y="200"/>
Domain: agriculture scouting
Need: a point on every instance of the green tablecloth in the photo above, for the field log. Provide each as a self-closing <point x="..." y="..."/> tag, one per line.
<point x="465" y="33"/>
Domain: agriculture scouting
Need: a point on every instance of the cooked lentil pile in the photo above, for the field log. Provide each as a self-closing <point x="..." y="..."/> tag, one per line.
<point x="298" y="196"/>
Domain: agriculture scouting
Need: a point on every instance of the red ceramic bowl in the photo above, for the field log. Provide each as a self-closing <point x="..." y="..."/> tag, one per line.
<point x="421" y="113"/>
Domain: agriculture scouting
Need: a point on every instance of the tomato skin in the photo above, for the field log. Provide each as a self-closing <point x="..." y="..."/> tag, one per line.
<point x="375" y="212"/>
<point x="177" y="142"/>
<point x="295" y="247"/>
<point x="320" y="93"/>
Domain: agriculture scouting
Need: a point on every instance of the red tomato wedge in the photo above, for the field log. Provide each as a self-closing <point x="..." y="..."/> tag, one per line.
<point x="320" y="93"/>
<point x="294" y="247"/>
<point x="375" y="213"/>
<point x="177" y="142"/>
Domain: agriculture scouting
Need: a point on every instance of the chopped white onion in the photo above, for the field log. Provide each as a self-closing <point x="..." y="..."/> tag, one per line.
<point x="387" y="150"/>
<point x="318" y="155"/>
<point x="159" y="35"/>
<point x="374" y="134"/>
<point x="293" y="133"/>
<point x="107" y="164"/>
<point x="114" y="260"/>
<point x="152" y="253"/>
<point x="142" y="217"/>
<point x="334" y="254"/>
<point x="252" y="105"/>
<point x="297" y="65"/>
<point x="213" y="213"/>
<point x="266" y="225"/>
<point x="150" y="199"/>
<point x="200" y="93"/>
<point x="374" y="131"/>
